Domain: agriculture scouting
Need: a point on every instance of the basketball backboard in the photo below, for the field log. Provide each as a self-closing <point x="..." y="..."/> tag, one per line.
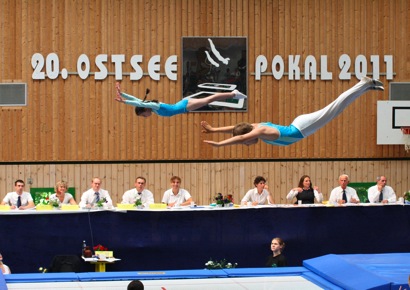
<point x="391" y="117"/>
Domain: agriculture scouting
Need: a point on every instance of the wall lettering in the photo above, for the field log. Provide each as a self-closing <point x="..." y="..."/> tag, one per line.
<point x="48" y="67"/>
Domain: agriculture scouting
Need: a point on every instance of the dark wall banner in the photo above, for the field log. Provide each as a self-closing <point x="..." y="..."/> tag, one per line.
<point x="187" y="239"/>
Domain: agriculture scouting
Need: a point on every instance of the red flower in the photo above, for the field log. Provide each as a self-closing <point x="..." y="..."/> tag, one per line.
<point x="100" y="248"/>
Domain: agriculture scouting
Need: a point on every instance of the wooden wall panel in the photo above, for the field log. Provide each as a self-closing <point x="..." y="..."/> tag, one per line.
<point x="10" y="132"/>
<point x="205" y="179"/>
<point x="77" y="120"/>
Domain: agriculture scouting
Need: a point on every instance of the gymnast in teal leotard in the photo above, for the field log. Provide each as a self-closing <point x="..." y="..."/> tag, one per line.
<point x="146" y="108"/>
<point x="302" y="127"/>
<point x="288" y="134"/>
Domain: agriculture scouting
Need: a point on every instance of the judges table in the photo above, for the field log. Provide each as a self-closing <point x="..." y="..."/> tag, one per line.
<point x="187" y="238"/>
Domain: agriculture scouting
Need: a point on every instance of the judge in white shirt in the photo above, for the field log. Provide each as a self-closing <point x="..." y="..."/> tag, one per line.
<point x="343" y="193"/>
<point x="18" y="199"/>
<point x="139" y="192"/>
<point x="176" y="196"/>
<point x="90" y="198"/>
<point x="258" y="195"/>
<point x="381" y="192"/>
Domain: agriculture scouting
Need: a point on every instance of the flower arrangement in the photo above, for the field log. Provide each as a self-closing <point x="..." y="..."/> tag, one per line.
<point x="100" y="251"/>
<point x="407" y="196"/>
<point x="42" y="270"/>
<point x="54" y="202"/>
<point x="223" y="200"/>
<point x="49" y="201"/>
<point x="100" y="247"/>
<point x="101" y="202"/>
<point x="44" y="201"/>
<point x="222" y="264"/>
<point x="42" y="198"/>
<point x="138" y="202"/>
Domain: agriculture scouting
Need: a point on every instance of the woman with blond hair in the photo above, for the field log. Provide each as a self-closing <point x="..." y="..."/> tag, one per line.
<point x="61" y="194"/>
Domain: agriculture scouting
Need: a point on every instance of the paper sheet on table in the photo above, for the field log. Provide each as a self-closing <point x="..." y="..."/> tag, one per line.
<point x="100" y="259"/>
<point x="91" y="259"/>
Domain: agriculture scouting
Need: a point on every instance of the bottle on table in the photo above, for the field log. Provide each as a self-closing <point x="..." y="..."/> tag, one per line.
<point x="84" y="247"/>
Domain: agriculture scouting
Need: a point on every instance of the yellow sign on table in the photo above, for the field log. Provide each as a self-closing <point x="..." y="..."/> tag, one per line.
<point x="125" y="206"/>
<point x="157" y="206"/>
<point x="106" y="254"/>
<point x="70" y="207"/>
<point x="44" y="207"/>
<point x="4" y="207"/>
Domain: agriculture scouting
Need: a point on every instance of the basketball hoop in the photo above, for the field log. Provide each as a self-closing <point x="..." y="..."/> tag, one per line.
<point x="406" y="137"/>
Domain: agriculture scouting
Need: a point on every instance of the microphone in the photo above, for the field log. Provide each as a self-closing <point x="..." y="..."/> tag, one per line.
<point x="94" y="200"/>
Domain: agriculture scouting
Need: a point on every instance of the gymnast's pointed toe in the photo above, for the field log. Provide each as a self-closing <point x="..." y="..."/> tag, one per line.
<point x="377" y="83"/>
<point x="238" y="95"/>
<point x="378" y="88"/>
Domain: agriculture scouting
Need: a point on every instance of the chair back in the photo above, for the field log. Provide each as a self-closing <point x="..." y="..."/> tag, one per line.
<point x="65" y="263"/>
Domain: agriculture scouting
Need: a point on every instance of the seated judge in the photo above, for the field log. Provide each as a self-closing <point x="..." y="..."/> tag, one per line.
<point x="19" y="199"/>
<point x="94" y="195"/>
<point x="139" y="192"/>
<point x="343" y="193"/>
<point x="305" y="192"/>
<point x="62" y="195"/>
<point x="176" y="196"/>
<point x="381" y="192"/>
<point x="258" y="195"/>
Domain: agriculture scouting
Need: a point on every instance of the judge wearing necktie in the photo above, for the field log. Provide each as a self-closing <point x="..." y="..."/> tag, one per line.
<point x="18" y="199"/>
<point x="381" y="192"/>
<point x="139" y="192"/>
<point x="90" y="197"/>
<point x="343" y="193"/>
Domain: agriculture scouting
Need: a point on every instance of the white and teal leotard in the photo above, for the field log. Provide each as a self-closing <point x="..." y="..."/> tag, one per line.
<point x="161" y="109"/>
<point x="307" y="124"/>
<point x="288" y="134"/>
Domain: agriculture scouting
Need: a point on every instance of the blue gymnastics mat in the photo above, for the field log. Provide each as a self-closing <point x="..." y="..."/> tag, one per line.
<point x="336" y="272"/>
<point x="363" y="271"/>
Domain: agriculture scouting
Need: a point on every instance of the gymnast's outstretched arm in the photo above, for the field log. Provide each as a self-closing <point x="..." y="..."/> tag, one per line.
<point x="206" y="128"/>
<point x="133" y="101"/>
